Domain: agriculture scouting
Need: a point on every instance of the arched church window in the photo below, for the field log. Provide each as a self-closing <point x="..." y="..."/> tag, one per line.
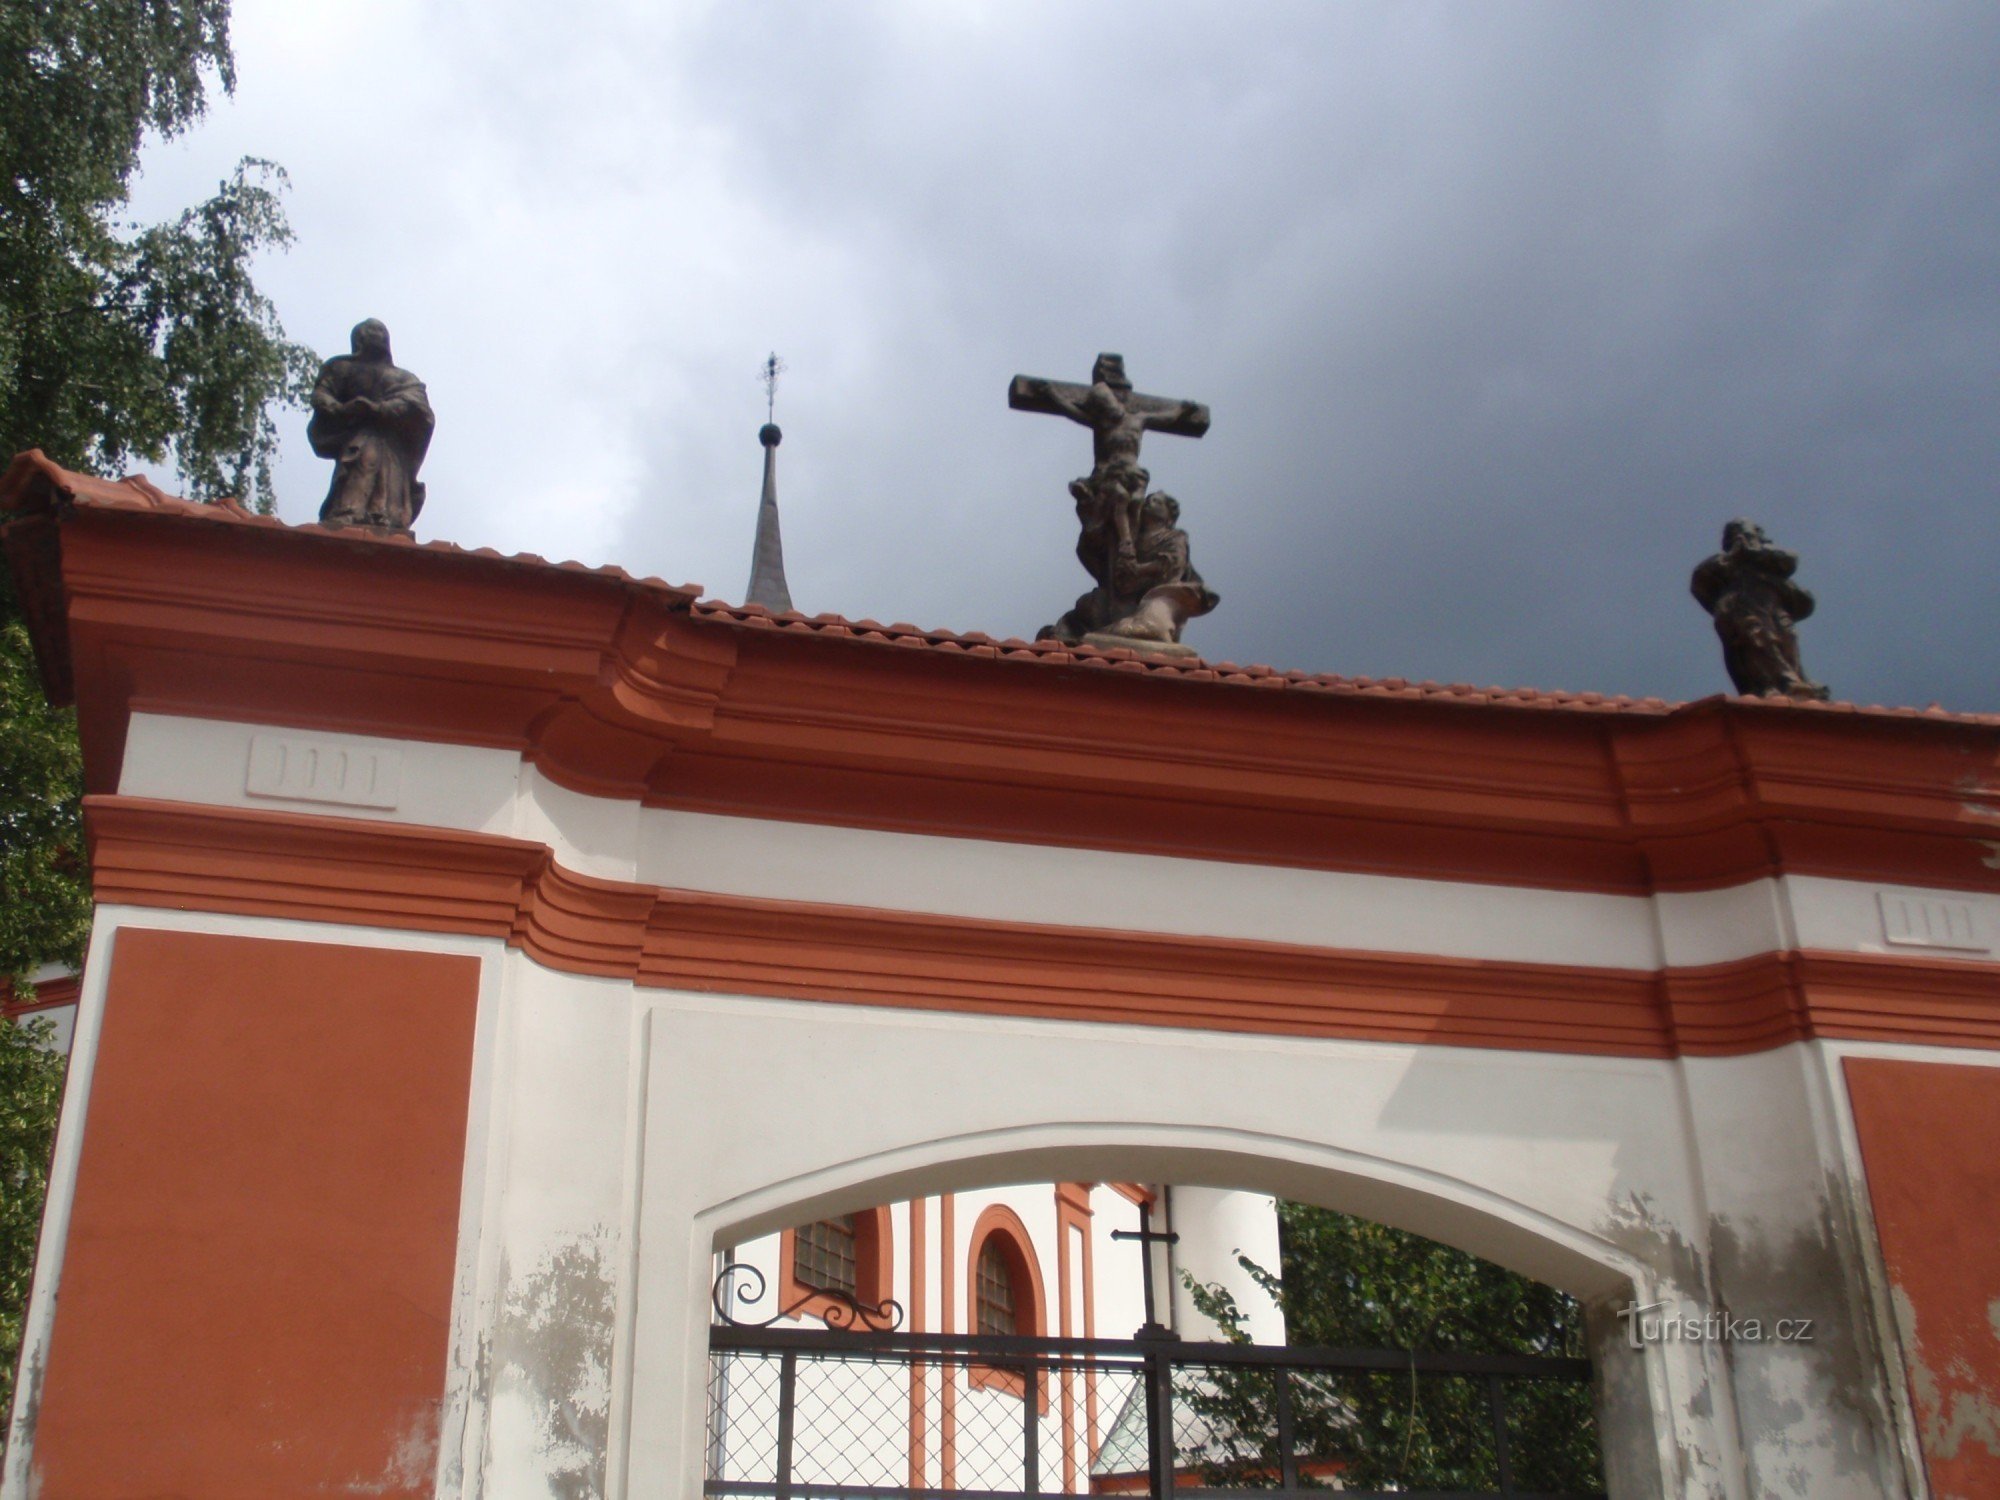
<point x="1004" y="1289"/>
<point x="823" y="1255"/>
<point x="825" y="1265"/>
<point x="993" y="1290"/>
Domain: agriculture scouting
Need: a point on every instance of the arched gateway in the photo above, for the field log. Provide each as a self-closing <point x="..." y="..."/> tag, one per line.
<point x="483" y="943"/>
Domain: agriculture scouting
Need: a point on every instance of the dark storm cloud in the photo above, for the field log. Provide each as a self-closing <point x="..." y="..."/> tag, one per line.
<point x="1502" y="311"/>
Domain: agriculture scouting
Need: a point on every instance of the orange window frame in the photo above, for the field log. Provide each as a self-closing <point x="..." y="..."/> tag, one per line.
<point x="874" y="1271"/>
<point x="1004" y="1226"/>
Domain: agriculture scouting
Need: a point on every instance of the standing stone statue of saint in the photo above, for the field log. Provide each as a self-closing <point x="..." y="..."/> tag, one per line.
<point x="1129" y="540"/>
<point x="1748" y="588"/>
<point x="374" y="421"/>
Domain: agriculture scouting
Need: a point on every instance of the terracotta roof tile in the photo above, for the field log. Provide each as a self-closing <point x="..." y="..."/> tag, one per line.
<point x="33" y="479"/>
<point x="1193" y="669"/>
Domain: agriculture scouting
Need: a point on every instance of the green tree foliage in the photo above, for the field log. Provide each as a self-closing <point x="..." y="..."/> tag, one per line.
<point x="45" y="913"/>
<point x="30" y="1090"/>
<point x="1349" y="1283"/>
<point x="118" y="344"/>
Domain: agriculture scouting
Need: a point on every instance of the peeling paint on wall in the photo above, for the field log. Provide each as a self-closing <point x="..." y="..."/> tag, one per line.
<point x="1926" y="1133"/>
<point x="1636" y="1225"/>
<point x="1811" y="1417"/>
<point x="552" y="1354"/>
<point x="413" y="1458"/>
<point x="1953" y="1406"/>
<point x="30" y="1408"/>
<point x="1624" y="1411"/>
<point x="1813" y="1409"/>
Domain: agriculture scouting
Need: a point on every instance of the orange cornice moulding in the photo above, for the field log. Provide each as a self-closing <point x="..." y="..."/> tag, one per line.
<point x="183" y="857"/>
<point x="50" y="994"/>
<point x="622" y="687"/>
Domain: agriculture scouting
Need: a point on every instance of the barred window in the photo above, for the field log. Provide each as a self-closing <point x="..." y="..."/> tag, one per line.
<point x="994" y="1291"/>
<point x="824" y="1256"/>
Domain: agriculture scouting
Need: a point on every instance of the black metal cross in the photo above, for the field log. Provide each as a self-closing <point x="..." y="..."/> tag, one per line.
<point x="1147" y="1236"/>
<point x="768" y="373"/>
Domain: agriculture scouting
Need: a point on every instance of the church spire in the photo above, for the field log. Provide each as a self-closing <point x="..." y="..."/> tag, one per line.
<point x="767" y="558"/>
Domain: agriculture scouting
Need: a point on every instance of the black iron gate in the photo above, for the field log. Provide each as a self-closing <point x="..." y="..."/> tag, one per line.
<point x="806" y="1414"/>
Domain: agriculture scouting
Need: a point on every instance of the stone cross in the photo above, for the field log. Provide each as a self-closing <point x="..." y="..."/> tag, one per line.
<point x="1118" y="416"/>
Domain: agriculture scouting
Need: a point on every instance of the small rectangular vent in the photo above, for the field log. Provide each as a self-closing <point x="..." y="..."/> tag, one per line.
<point x="1913" y="921"/>
<point x="315" y="770"/>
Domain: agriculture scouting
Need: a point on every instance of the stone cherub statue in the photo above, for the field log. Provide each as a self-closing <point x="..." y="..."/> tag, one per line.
<point x="1129" y="541"/>
<point x="374" y="421"/>
<point x="1748" y="588"/>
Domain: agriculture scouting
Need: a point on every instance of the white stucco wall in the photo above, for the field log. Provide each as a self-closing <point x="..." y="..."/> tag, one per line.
<point x="617" y="1136"/>
<point x="610" y="1155"/>
<point x="491" y="791"/>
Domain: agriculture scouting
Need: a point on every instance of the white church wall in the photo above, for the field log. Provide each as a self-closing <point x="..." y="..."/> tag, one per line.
<point x="1072" y="887"/>
<point x="417" y="782"/>
<point x="62" y="1026"/>
<point x="58" y="1015"/>
<point x="1121" y="1304"/>
<point x="1216" y="1226"/>
<point x="1584" y="1172"/>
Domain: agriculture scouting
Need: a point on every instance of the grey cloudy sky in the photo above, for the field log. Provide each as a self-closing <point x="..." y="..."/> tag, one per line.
<point x="1501" y="309"/>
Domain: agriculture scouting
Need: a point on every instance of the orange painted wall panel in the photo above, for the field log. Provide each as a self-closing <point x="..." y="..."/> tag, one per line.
<point x="256" y="1294"/>
<point x="1927" y="1140"/>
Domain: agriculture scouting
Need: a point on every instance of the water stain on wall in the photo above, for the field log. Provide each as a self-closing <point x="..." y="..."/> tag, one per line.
<point x="553" y="1348"/>
<point x="1826" y="1395"/>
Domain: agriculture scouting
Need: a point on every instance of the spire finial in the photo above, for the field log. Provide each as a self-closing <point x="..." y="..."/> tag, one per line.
<point x="772" y="368"/>
<point x="767" y="557"/>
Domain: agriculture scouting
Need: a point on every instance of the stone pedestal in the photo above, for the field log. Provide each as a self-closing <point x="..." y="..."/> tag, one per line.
<point x="1105" y="641"/>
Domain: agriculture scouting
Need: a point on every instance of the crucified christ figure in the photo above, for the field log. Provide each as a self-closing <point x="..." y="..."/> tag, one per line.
<point x="1118" y="418"/>
<point x="1113" y="507"/>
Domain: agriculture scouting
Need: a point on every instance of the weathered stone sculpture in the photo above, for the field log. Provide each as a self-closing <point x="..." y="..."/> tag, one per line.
<point x="1146" y="590"/>
<point x="374" y="421"/>
<point x="1129" y="541"/>
<point x="1748" y="588"/>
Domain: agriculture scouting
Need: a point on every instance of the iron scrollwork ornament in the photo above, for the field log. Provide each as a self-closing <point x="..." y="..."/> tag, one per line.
<point x="740" y="1282"/>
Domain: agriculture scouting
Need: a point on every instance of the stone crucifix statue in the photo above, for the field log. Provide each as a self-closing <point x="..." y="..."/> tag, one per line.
<point x="1130" y="541"/>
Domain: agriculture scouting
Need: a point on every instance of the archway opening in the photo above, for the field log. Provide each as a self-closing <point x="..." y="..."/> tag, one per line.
<point x="1494" y="1397"/>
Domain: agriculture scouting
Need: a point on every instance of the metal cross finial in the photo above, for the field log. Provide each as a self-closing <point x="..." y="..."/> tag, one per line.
<point x="772" y="368"/>
<point x="1147" y="1236"/>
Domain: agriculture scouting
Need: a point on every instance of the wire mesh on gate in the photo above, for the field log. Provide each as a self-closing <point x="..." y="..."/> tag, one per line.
<point x="798" y="1414"/>
<point x="902" y="1421"/>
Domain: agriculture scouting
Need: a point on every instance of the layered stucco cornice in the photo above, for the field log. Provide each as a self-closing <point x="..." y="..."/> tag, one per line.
<point x="282" y="864"/>
<point x="624" y="688"/>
